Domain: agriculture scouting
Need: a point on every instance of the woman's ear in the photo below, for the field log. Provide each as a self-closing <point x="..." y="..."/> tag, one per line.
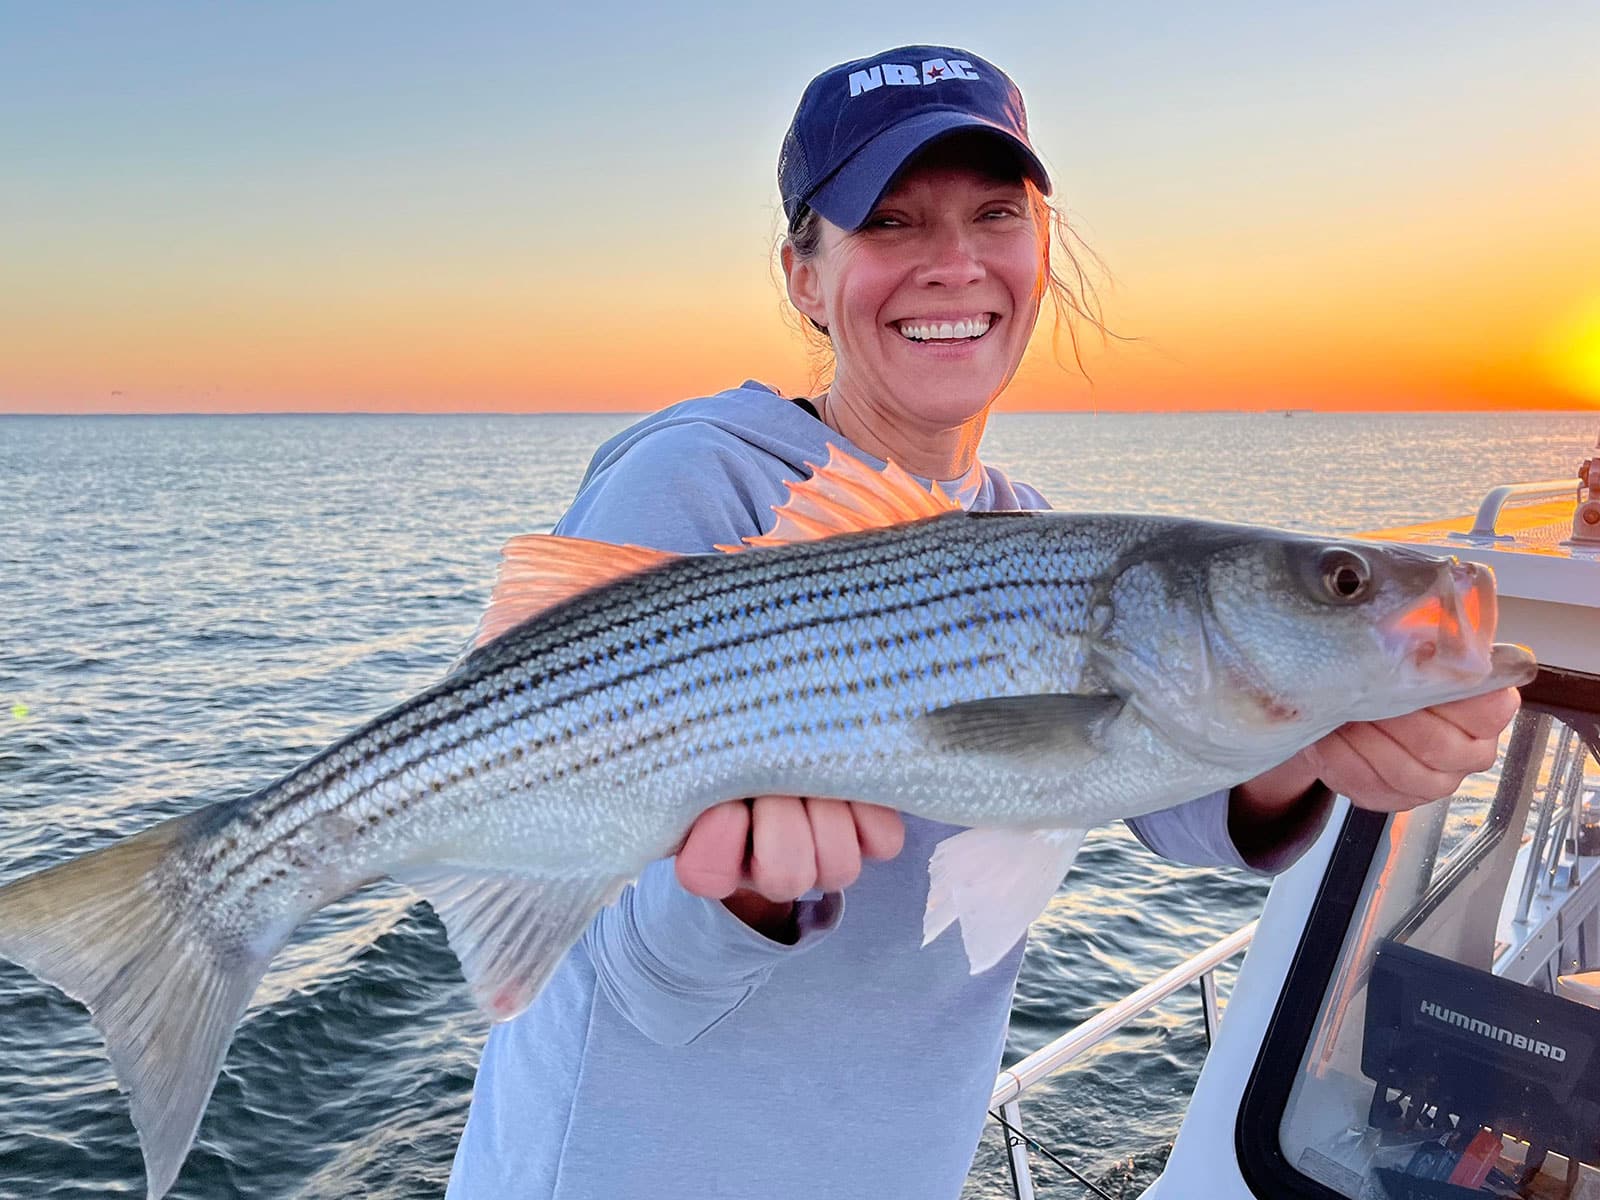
<point x="805" y="293"/>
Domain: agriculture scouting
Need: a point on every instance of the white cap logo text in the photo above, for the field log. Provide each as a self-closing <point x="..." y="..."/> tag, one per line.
<point x="935" y="70"/>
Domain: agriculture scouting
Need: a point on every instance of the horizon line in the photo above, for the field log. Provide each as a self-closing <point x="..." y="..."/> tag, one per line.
<point x="609" y="412"/>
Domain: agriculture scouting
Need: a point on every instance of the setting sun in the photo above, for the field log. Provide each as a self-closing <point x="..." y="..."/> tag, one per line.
<point x="1574" y="354"/>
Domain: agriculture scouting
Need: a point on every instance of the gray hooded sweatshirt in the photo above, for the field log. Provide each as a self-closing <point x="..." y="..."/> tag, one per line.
<point x="677" y="1054"/>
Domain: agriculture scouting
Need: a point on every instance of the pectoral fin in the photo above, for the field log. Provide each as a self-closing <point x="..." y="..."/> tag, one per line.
<point x="994" y="883"/>
<point x="1029" y="726"/>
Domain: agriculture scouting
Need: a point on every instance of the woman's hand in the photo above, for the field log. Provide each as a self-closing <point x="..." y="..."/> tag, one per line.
<point x="759" y="856"/>
<point x="1387" y="766"/>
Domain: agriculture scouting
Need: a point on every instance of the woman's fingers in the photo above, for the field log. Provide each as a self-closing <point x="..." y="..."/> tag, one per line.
<point x="783" y="853"/>
<point x="782" y="847"/>
<point x="881" y="831"/>
<point x="1401" y="762"/>
<point x="1402" y="780"/>
<point x="1344" y="770"/>
<point x="838" y="847"/>
<point x="711" y="862"/>
<point x="1483" y="716"/>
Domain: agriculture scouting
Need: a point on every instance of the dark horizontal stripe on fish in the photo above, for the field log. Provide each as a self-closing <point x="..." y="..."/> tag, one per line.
<point x="269" y="810"/>
<point x="612" y="630"/>
<point x="750" y="736"/>
<point x="775" y="566"/>
<point x="319" y="782"/>
<point x="563" y="770"/>
<point x="878" y="716"/>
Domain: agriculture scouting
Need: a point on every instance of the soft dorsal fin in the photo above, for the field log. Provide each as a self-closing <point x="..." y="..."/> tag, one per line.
<point x="845" y="495"/>
<point x="540" y="570"/>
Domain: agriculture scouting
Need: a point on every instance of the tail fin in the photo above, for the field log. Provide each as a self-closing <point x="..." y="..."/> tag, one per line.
<point x="102" y="930"/>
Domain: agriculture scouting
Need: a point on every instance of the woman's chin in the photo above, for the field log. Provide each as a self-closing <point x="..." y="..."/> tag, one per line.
<point x="947" y="403"/>
<point x="970" y="369"/>
<point x="960" y="390"/>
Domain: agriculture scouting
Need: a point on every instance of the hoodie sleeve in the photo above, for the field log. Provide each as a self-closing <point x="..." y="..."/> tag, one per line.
<point x="673" y="963"/>
<point x="1197" y="833"/>
<point x="676" y="964"/>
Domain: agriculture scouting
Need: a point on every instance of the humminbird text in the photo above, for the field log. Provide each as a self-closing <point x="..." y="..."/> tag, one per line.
<point x="1494" y="1033"/>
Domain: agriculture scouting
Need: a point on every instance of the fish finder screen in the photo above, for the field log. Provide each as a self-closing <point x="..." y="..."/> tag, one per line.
<point x="1456" y="1052"/>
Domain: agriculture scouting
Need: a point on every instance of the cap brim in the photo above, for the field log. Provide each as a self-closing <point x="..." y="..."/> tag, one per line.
<point x="848" y="195"/>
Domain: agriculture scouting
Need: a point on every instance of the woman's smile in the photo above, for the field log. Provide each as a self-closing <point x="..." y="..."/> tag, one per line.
<point x="945" y="329"/>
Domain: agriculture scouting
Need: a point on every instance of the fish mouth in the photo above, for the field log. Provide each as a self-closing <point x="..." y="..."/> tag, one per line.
<point x="1448" y="633"/>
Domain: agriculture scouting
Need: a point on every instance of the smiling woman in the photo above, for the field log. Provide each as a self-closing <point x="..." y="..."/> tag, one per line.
<point x="1004" y="197"/>
<point x="707" y="1035"/>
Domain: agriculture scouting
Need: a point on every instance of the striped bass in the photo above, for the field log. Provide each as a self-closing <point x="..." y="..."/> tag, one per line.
<point x="1027" y="674"/>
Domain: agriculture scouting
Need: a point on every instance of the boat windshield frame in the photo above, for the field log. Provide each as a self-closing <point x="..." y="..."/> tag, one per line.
<point x="1257" y="1139"/>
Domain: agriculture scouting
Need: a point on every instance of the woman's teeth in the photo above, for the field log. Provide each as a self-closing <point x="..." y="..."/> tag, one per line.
<point x="927" y="331"/>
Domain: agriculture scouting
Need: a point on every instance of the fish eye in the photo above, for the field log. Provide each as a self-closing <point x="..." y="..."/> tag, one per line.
<point x="1346" y="576"/>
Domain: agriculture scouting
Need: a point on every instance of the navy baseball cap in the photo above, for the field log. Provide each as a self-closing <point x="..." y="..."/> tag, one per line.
<point x="860" y="122"/>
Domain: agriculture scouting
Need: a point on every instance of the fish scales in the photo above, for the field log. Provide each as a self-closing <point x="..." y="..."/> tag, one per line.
<point x="647" y="631"/>
<point x="661" y="653"/>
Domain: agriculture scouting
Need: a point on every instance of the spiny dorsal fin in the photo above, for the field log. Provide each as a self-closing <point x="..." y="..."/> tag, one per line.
<point x="845" y="495"/>
<point x="540" y="570"/>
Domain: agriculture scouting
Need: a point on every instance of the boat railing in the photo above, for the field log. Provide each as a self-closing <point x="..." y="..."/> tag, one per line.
<point x="1483" y="526"/>
<point x="1551" y="920"/>
<point x="1560" y="822"/>
<point x="1011" y="1083"/>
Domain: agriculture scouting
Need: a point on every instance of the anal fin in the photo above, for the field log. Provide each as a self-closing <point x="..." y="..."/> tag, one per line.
<point x="509" y="932"/>
<point x="994" y="883"/>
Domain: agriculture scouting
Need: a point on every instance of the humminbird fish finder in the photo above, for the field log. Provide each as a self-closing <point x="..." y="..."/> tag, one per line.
<point x="1438" y="1032"/>
<point x="1464" y="1050"/>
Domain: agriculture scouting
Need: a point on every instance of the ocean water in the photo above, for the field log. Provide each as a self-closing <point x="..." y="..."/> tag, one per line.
<point x="193" y="605"/>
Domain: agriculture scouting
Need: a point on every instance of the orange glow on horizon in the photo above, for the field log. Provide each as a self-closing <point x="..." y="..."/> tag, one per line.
<point x="1272" y="323"/>
<point x="1293" y="208"/>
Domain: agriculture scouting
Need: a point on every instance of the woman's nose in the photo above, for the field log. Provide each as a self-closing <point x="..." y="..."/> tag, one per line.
<point x="952" y="257"/>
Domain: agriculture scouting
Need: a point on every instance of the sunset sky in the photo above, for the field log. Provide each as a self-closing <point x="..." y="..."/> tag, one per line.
<point x="298" y="206"/>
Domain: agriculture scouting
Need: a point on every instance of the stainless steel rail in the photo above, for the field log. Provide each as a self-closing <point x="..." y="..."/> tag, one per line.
<point x="1483" y="526"/>
<point x="1011" y="1083"/>
<point x="1560" y="818"/>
